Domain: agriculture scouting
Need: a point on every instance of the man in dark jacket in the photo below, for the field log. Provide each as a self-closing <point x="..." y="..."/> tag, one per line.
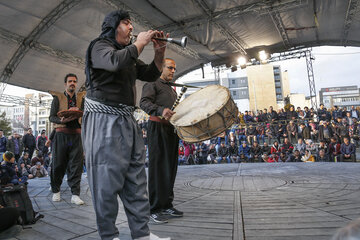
<point x="295" y="157"/>
<point x="233" y="152"/>
<point x="116" y="159"/>
<point x="3" y="142"/>
<point x="347" y="150"/>
<point x="305" y="131"/>
<point x="40" y="141"/>
<point x="223" y="154"/>
<point x="29" y="142"/>
<point x="256" y="152"/>
<point x="15" y="145"/>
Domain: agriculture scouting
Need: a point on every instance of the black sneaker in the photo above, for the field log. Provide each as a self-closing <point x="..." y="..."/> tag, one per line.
<point x="172" y="212"/>
<point x="158" y="218"/>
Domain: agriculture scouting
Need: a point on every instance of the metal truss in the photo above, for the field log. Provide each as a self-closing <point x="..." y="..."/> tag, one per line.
<point x="276" y="17"/>
<point x="309" y="58"/>
<point x="63" y="56"/>
<point x="350" y="14"/>
<point x="30" y="41"/>
<point x="260" y="8"/>
<point x="23" y="101"/>
<point x="301" y="53"/>
<point x="187" y="52"/>
<point x="237" y="43"/>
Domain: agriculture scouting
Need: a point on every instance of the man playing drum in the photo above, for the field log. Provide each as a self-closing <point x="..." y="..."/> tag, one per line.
<point x="157" y="99"/>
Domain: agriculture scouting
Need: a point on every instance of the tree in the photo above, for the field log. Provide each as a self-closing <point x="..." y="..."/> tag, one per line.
<point x="5" y="124"/>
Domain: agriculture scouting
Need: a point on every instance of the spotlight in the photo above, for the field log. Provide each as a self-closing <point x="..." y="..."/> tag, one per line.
<point x="242" y="61"/>
<point x="263" y="55"/>
<point x="233" y="68"/>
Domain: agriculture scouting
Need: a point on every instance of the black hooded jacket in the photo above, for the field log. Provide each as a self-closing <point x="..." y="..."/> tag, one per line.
<point x="112" y="69"/>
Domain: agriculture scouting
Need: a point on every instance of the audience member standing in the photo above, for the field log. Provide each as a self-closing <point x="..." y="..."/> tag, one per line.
<point x="29" y="142"/>
<point x="3" y="142"/>
<point x="15" y="145"/>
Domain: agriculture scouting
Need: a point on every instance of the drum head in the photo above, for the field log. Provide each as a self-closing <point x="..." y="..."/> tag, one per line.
<point x="200" y="105"/>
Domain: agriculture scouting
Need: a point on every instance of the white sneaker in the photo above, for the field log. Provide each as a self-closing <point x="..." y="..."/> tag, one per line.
<point x="152" y="237"/>
<point x="56" y="197"/>
<point x="116" y="238"/>
<point x="76" y="199"/>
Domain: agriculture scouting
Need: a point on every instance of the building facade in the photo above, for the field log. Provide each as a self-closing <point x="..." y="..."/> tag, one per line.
<point x="346" y="96"/>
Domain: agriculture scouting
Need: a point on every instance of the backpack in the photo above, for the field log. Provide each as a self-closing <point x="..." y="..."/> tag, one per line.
<point x="16" y="196"/>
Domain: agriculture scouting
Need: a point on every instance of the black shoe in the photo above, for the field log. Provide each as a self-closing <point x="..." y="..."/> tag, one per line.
<point x="158" y="218"/>
<point x="172" y="212"/>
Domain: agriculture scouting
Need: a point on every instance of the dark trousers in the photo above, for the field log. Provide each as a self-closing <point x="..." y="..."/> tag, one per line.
<point x="352" y="158"/>
<point x="30" y="151"/>
<point x="67" y="158"/>
<point x="163" y="155"/>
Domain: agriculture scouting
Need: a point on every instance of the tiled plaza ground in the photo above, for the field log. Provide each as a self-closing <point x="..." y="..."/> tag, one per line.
<point x="305" y="201"/>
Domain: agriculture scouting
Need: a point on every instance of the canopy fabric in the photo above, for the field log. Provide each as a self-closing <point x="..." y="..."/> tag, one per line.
<point x="42" y="41"/>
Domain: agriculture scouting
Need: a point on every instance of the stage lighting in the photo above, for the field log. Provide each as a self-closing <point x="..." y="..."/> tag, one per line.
<point x="242" y="61"/>
<point x="233" y="68"/>
<point x="263" y="56"/>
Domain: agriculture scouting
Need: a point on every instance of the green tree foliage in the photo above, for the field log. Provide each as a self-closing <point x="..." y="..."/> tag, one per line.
<point x="5" y="124"/>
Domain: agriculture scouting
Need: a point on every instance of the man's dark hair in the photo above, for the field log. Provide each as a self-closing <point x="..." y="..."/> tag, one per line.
<point x="70" y="75"/>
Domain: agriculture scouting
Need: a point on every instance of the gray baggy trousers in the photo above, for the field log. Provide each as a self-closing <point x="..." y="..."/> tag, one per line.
<point x="115" y="161"/>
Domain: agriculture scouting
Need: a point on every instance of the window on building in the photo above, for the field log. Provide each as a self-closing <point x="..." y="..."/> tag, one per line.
<point x="232" y="81"/>
<point x="234" y="93"/>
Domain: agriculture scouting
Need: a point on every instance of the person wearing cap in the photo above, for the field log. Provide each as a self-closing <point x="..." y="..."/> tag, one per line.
<point x="112" y="140"/>
<point x="7" y="170"/>
<point x="40" y="141"/>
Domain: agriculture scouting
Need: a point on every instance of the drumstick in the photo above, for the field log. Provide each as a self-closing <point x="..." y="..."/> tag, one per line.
<point x="183" y="90"/>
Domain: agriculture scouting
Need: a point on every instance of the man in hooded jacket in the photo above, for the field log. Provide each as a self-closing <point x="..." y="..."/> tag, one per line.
<point x="112" y="140"/>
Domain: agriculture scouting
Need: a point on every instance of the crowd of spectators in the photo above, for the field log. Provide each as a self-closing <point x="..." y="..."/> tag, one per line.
<point x="23" y="166"/>
<point x="301" y="135"/>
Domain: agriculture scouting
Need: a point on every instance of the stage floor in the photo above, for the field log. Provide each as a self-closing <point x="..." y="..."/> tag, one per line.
<point x="227" y="201"/>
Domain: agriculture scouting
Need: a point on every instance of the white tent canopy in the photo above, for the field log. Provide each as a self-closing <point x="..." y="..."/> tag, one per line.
<point x="42" y="41"/>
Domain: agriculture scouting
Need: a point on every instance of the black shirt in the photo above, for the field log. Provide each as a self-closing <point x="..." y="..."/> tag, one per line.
<point x="114" y="72"/>
<point x="156" y="96"/>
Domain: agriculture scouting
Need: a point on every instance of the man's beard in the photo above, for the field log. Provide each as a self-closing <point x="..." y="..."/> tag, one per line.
<point x="71" y="90"/>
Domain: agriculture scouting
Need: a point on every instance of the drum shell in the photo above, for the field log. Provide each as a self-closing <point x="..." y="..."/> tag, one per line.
<point x="211" y="126"/>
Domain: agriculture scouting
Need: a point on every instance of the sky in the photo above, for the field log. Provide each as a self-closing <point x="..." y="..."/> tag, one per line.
<point x="333" y="67"/>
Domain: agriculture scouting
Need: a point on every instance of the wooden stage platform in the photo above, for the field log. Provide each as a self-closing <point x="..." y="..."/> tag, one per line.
<point x="255" y="201"/>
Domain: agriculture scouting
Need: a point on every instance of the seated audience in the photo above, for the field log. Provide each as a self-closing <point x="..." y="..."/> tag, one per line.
<point x="255" y="152"/>
<point x="38" y="158"/>
<point x="245" y="149"/>
<point x="308" y="157"/>
<point x="295" y="157"/>
<point x="223" y="154"/>
<point x="347" y="151"/>
<point x="322" y="157"/>
<point x="233" y="153"/>
<point x="266" y="149"/>
<point x="8" y="174"/>
<point x="275" y="148"/>
<point x="38" y="170"/>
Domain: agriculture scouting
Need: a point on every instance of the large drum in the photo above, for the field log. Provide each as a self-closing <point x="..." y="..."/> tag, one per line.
<point x="204" y="114"/>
